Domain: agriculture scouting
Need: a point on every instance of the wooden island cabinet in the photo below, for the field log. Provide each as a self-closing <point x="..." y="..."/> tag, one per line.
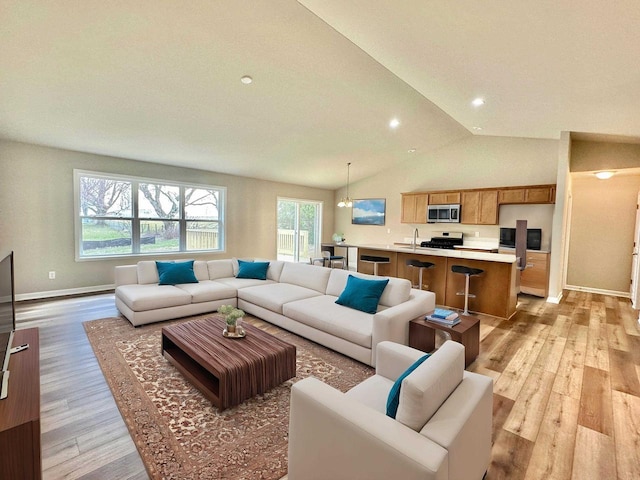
<point x="495" y="289"/>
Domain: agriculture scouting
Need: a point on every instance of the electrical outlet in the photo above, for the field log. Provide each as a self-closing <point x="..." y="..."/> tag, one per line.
<point x="477" y="234"/>
<point x="52" y="275"/>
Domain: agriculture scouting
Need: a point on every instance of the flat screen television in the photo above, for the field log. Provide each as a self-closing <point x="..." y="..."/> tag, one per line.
<point x="508" y="238"/>
<point x="7" y="309"/>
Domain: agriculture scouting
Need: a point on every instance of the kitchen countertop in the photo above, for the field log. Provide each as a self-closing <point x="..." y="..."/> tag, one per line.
<point x="439" y="252"/>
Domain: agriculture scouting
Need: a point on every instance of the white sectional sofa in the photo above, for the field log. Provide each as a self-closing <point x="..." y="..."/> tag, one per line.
<point x="297" y="297"/>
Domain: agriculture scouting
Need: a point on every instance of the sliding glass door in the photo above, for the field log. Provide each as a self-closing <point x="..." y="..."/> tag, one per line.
<point x="298" y="229"/>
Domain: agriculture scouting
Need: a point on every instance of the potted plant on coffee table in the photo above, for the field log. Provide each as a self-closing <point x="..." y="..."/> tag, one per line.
<point x="231" y="316"/>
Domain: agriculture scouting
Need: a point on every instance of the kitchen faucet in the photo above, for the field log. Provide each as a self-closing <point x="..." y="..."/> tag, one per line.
<point x="415" y="239"/>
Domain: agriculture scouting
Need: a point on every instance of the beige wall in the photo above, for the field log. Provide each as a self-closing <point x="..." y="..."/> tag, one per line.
<point x="476" y="162"/>
<point x="587" y="156"/>
<point x="602" y="227"/>
<point x="37" y="219"/>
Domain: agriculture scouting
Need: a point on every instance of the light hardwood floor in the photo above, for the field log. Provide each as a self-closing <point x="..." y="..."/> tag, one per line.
<point x="566" y="392"/>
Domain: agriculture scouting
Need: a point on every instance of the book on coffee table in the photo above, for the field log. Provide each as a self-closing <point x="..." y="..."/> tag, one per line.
<point x="444" y="314"/>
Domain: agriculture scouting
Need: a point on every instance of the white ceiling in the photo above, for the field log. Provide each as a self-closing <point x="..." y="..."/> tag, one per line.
<point x="159" y="80"/>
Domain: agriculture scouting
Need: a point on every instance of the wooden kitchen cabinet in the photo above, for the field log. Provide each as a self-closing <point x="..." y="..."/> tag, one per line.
<point x="534" y="280"/>
<point x="532" y="194"/>
<point x="479" y="207"/>
<point x="544" y="194"/>
<point x="414" y="207"/>
<point x="444" y="198"/>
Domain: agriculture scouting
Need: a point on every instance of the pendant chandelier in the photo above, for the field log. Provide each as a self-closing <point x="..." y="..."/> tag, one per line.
<point x="346" y="201"/>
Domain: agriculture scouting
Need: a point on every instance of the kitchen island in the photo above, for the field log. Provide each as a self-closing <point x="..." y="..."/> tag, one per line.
<point x="495" y="289"/>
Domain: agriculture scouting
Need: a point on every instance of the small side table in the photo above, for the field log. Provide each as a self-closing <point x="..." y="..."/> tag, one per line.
<point x="422" y="335"/>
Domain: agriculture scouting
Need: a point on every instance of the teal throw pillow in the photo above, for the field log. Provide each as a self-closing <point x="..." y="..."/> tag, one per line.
<point x="255" y="270"/>
<point x="172" y="273"/>
<point x="362" y="294"/>
<point x="394" y="395"/>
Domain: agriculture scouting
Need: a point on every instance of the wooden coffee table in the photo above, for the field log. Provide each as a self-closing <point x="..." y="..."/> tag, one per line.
<point x="226" y="370"/>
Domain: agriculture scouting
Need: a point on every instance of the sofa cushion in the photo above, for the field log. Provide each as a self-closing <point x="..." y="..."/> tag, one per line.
<point x="429" y="385"/>
<point x="172" y="273"/>
<point x="257" y="270"/>
<point x="373" y="392"/>
<point x="220" y="269"/>
<point x="397" y="291"/>
<point x="201" y="270"/>
<point x="273" y="296"/>
<point x="140" y="298"/>
<point x="362" y="294"/>
<point x="305" y="275"/>
<point x="394" y="394"/>
<point x="147" y="272"/>
<point x="324" y="314"/>
<point x="208" y="291"/>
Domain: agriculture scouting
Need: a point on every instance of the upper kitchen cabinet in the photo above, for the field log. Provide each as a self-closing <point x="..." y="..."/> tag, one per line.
<point x="532" y="194"/>
<point x="444" y="198"/>
<point x="479" y="207"/>
<point x="414" y="207"/>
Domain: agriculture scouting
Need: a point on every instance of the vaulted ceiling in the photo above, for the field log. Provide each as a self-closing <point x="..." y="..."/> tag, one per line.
<point x="159" y="80"/>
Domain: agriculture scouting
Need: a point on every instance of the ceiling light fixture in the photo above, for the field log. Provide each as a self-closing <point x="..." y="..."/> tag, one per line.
<point x="477" y="129"/>
<point x="604" y="175"/>
<point x="394" y="123"/>
<point x="246" y="79"/>
<point x="346" y="201"/>
<point x="477" y="102"/>
<point x="412" y="150"/>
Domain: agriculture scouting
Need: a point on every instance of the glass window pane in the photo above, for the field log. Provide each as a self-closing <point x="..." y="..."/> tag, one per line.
<point x="101" y="197"/>
<point x="202" y="236"/>
<point x="201" y="204"/>
<point x="159" y="236"/>
<point x="105" y="237"/>
<point x="158" y="201"/>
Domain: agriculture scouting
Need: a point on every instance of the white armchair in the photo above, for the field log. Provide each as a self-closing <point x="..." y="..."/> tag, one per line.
<point x="442" y="429"/>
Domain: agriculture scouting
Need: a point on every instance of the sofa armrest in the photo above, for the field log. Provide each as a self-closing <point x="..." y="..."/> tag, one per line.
<point x="463" y="426"/>
<point x="126" y="275"/>
<point x="394" y="358"/>
<point x="393" y="323"/>
<point x="333" y="436"/>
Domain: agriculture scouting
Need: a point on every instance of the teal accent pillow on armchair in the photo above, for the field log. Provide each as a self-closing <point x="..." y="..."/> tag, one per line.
<point x="173" y="273"/>
<point x="362" y="294"/>
<point x="394" y="395"/>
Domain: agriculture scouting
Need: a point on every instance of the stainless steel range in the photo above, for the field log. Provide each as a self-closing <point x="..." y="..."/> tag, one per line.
<point x="446" y="240"/>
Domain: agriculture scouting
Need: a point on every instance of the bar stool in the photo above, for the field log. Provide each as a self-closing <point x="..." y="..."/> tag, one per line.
<point x="467" y="272"/>
<point x="375" y="260"/>
<point x="421" y="266"/>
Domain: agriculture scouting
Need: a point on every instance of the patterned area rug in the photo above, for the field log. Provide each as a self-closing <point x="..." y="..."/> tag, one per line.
<point x="177" y="431"/>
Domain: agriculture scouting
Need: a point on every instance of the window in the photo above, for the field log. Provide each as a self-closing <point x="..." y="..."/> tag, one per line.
<point x="118" y="216"/>
<point x="298" y="229"/>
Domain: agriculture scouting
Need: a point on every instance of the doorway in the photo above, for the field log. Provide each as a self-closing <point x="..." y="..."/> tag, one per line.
<point x="299" y="231"/>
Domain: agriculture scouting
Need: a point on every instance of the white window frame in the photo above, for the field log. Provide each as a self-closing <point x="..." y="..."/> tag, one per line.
<point x="135" y="218"/>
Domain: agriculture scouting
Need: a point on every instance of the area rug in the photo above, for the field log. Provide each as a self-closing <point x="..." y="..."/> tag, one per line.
<point x="177" y="431"/>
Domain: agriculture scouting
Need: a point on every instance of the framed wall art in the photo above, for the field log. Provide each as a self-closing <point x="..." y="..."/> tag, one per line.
<point x="368" y="211"/>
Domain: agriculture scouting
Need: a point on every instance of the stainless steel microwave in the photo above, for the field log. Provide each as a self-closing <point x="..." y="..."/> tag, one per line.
<point x="443" y="213"/>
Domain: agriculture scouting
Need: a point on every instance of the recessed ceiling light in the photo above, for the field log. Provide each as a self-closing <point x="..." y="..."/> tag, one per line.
<point x="411" y="150"/>
<point x="604" y="175"/>
<point x="477" y="129"/>
<point x="394" y="123"/>
<point x="246" y="79"/>
<point x="477" y="102"/>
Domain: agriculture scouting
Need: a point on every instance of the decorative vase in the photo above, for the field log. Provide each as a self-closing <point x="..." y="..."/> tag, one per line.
<point x="231" y="328"/>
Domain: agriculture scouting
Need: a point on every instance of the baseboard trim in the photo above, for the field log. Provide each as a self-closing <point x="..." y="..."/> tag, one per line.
<point x="64" y="293"/>
<point x="555" y="300"/>
<point x="599" y="291"/>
